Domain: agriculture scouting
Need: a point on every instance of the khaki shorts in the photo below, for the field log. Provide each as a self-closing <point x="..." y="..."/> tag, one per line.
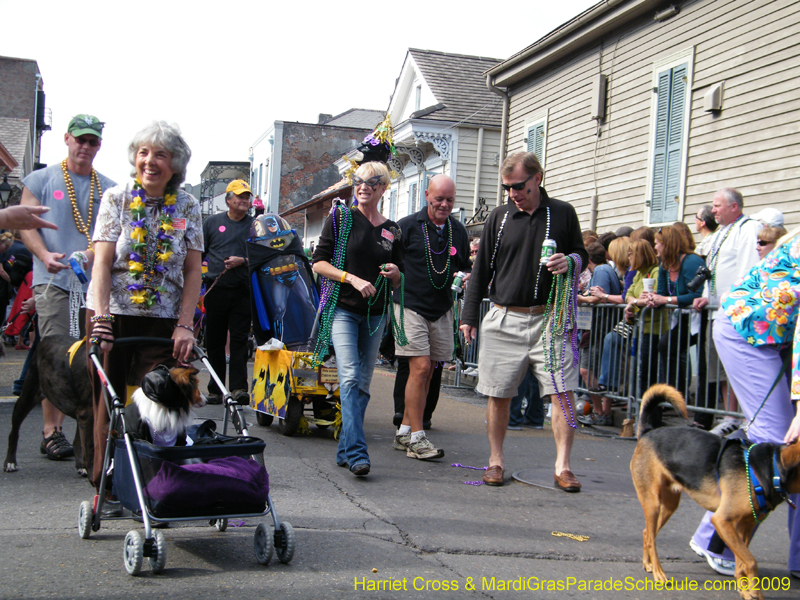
<point x="510" y="343"/>
<point x="426" y="338"/>
<point x="52" y="310"/>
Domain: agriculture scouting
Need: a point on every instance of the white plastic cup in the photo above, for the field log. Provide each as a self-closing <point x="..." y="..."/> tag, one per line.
<point x="648" y="284"/>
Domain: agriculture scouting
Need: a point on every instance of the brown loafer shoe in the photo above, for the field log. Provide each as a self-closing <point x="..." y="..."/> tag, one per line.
<point x="493" y="475"/>
<point x="567" y="482"/>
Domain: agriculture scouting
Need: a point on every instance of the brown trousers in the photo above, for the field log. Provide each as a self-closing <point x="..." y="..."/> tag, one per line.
<point x="124" y="366"/>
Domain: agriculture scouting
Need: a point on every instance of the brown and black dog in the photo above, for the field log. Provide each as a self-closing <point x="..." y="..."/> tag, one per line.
<point x="673" y="459"/>
<point x="67" y="386"/>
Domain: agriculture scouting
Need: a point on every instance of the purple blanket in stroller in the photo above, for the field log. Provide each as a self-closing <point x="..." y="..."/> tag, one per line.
<point x="229" y="485"/>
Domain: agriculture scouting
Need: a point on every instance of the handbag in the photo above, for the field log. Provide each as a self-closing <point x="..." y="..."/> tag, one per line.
<point x="624" y="329"/>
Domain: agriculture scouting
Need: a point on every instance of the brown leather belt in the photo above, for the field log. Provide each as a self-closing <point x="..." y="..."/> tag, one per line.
<point x="528" y="310"/>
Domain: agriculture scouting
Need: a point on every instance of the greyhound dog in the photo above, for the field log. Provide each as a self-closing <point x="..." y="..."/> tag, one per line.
<point x="65" y="383"/>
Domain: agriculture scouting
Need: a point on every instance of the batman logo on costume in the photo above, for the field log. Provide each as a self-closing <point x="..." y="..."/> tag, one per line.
<point x="277" y="243"/>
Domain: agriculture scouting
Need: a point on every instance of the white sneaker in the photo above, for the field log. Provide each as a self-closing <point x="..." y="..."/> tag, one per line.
<point x="727" y="426"/>
<point x="720" y="565"/>
<point x="423" y="449"/>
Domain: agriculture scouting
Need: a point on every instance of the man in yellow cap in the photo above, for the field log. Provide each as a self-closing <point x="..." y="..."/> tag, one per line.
<point x="228" y="303"/>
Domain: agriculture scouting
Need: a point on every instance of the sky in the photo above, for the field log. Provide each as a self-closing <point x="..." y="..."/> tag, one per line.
<point x="224" y="72"/>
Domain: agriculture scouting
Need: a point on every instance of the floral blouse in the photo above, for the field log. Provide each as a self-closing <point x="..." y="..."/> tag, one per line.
<point x="763" y="305"/>
<point x="114" y="224"/>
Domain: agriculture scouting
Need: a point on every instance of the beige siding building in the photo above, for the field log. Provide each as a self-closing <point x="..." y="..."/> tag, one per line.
<point x="640" y="113"/>
<point x="445" y="121"/>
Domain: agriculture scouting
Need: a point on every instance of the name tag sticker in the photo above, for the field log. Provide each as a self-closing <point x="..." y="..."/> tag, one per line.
<point x="179" y="224"/>
<point x="387" y="235"/>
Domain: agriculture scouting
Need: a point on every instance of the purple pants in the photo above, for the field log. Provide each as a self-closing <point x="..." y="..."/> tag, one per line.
<point x="752" y="371"/>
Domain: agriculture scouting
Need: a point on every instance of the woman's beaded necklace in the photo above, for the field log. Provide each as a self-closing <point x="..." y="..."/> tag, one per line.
<point x="330" y="288"/>
<point x="559" y="325"/>
<point x="672" y="286"/>
<point x="83" y="226"/>
<point x="382" y="288"/>
<point x="145" y="262"/>
<point x="430" y="252"/>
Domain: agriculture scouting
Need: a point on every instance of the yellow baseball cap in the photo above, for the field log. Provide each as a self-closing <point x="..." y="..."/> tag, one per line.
<point x="238" y="187"/>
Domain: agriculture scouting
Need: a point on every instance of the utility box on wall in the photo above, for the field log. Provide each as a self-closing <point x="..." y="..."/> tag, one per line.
<point x="599" y="97"/>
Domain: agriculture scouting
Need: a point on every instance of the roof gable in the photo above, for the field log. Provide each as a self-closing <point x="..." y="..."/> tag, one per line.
<point x="452" y="88"/>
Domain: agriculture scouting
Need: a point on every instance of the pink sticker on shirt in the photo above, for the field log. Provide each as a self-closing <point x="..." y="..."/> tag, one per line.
<point x="387" y="235"/>
<point x="222" y="228"/>
<point x="452" y="250"/>
<point x="179" y="224"/>
<point x="58" y="195"/>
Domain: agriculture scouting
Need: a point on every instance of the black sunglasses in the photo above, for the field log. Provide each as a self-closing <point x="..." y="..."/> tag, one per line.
<point x="516" y="186"/>
<point x="372" y="182"/>
<point x="92" y="141"/>
<point x="763" y="243"/>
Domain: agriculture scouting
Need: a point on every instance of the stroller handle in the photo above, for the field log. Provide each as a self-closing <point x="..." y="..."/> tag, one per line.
<point x="94" y="349"/>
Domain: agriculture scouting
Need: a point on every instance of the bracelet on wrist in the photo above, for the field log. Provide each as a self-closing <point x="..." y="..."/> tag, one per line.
<point x="185" y="327"/>
<point x="107" y="318"/>
<point x="344" y="274"/>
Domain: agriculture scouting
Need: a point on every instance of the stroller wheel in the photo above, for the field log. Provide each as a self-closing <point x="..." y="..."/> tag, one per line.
<point x="285" y="542"/>
<point x="133" y="553"/>
<point x="85" y="520"/>
<point x="158" y="558"/>
<point x="262" y="544"/>
<point x="222" y="525"/>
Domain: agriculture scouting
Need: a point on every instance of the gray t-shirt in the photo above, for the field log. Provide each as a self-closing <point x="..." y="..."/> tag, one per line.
<point x="48" y="186"/>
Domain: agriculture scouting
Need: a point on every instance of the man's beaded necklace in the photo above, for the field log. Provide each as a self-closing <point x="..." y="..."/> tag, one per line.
<point x="713" y="257"/>
<point x="83" y="226"/>
<point x="497" y="245"/>
<point x="559" y="325"/>
<point x="430" y="252"/>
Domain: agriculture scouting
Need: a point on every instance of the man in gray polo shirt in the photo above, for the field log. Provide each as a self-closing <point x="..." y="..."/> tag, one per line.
<point x="71" y="190"/>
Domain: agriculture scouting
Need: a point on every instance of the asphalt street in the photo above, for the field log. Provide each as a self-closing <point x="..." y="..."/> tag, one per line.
<point x="410" y="529"/>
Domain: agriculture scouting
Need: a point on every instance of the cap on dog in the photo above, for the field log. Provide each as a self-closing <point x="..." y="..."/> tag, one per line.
<point x="159" y="386"/>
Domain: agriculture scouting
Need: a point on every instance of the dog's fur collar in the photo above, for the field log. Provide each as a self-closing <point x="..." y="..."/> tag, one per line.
<point x="166" y="422"/>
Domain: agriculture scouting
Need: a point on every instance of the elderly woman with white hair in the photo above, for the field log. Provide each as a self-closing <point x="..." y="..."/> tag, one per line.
<point x="146" y="277"/>
<point x="360" y="253"/>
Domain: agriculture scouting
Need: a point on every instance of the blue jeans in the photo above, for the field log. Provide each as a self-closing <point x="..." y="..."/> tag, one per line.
<point x="356" y="351"/>
<point x="613" y="346"/>
<point x="534" y="413"/>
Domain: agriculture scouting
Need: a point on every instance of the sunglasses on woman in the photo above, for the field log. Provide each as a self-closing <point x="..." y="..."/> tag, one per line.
<point x="763" y="243"/>
<point x="372" y="182"/>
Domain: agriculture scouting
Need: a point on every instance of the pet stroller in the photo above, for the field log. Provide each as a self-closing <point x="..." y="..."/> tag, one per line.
<point x="284" y="303"/>
<point x="211" y="480"/>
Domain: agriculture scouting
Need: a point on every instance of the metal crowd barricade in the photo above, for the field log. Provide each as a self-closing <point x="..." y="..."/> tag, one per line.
<point x="678" y="350"/>
<point x="675" y="348"/>
<point x="469" y="352"/>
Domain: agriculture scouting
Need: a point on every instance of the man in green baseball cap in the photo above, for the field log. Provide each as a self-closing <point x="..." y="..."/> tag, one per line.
<point x="71" y="190"/>
<point x="85" y="125"/>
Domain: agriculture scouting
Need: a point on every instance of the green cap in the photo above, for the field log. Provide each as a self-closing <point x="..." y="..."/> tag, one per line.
<point x="85" y="125"/>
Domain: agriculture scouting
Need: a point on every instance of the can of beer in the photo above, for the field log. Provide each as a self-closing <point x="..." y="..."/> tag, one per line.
<point x="458" y="281"/>
<point x="548" y="249"/>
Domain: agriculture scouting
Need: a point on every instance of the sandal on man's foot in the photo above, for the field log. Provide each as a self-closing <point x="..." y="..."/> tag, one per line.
<point x="56" y="446"/>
